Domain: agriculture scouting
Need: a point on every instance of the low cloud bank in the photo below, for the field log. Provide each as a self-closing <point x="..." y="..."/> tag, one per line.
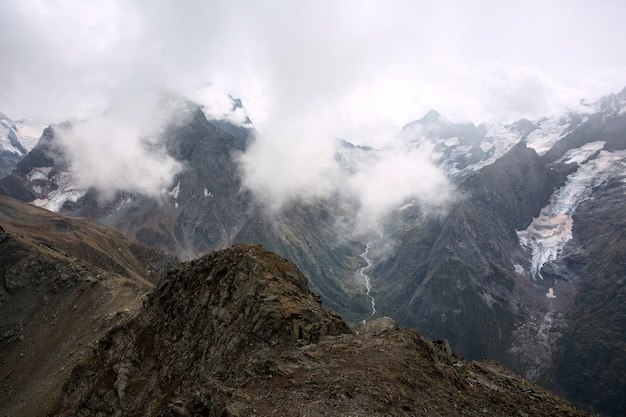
<point x="280" y="168"/>
<point x="123" y="149"/>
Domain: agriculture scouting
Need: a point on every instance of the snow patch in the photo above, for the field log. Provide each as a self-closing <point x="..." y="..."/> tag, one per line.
<point x="57" y="199"/>
<point x="580" y="155"/>
<point x="550" y="293"/>
<point x="454" y="141"/>
<point x="548" y="132"/>
<point x="407" y="205"/>
<point x="175" y="191"/>
<point x="39" y="173"/>
<point x="68" y="190"/>
<point x="19" y="136"/>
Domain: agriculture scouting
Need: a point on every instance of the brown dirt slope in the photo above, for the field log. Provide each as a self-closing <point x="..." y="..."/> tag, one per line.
<point x="84" y="239"/>
<point x="237" y="333"/>
<point x="63" y="284"/>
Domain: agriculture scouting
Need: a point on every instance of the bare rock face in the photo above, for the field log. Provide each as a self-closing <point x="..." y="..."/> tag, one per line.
<point x="237" y="333"/>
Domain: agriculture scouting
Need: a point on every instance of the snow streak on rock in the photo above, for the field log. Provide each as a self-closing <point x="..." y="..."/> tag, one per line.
<point x="548" y="233"/>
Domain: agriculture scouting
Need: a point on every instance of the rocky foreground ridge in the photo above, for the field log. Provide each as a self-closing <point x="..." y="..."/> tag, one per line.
<point x="238" y="333"/>
<point x="64" y="283"/>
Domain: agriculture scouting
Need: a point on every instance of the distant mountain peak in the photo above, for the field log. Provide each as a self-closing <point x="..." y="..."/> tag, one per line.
<point x="433" y="117"/>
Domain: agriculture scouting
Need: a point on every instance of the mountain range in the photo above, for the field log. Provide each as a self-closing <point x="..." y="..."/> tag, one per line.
<point x="524" y="265"/>
<point x="85" y="331"/>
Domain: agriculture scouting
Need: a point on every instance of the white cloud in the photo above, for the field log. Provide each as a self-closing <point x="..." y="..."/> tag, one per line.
<point x="123" y="149"/>
<point x="396" y="176"/>
<point x="64" y="58"/>
<point x="312" y="71"/>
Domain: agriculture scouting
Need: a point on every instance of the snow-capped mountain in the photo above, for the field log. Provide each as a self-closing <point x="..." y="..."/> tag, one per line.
<point x="463" y="149"/>
<point x="503" y="273"/>
<point x="17" y="138"/>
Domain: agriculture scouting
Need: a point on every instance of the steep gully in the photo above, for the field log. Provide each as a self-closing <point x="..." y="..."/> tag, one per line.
<point x="360" y="274"/>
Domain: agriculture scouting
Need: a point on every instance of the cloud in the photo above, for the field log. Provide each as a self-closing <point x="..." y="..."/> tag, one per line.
<point x="291" y="161"/>
<point x="307" y="72"/>
<point x="310" y="166"/>
<point x="520" y="92"/>
<point x="391" y="62"/>
<point x="396" y="176"/>
<point x="123" y="149"/>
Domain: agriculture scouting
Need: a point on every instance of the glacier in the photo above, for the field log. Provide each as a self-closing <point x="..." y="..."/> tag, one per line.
<point x="548" y="233"/>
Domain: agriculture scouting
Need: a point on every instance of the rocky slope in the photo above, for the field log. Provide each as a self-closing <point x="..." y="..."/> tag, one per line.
<point x="64" y="284"/>
<point x="238" y="333"/>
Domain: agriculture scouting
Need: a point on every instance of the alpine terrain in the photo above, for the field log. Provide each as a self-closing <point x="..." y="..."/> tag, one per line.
<point x="525" y="266"/>
<point x="233" y="333"/>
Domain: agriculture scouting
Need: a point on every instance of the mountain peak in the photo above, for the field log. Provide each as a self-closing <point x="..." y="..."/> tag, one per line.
<point x="433" y="117"/>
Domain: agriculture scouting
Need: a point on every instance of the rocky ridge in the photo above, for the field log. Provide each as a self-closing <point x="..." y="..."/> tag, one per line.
<point x="237" y="333"/>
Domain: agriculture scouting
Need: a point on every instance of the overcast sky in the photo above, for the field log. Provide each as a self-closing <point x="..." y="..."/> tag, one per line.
<point x="307" y="72"/>
<point x="362" y="66"/>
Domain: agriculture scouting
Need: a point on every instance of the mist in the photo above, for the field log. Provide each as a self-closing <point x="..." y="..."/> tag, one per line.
<point x="123" y="149"/>
<point x="307" y="73"/>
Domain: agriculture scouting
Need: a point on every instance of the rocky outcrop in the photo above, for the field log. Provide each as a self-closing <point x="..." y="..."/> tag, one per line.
<point x="212" y="325"/>
<point x="237" y="333"/>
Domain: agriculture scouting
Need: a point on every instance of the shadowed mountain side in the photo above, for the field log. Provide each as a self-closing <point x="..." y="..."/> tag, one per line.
<point x="237" y="333"/>
<point x="453" y="277"/>
<point x="590" y="358"/>
<point x="201" y="210"/>
<point x="44" y="154"/>
<point x="64" y="283"/>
